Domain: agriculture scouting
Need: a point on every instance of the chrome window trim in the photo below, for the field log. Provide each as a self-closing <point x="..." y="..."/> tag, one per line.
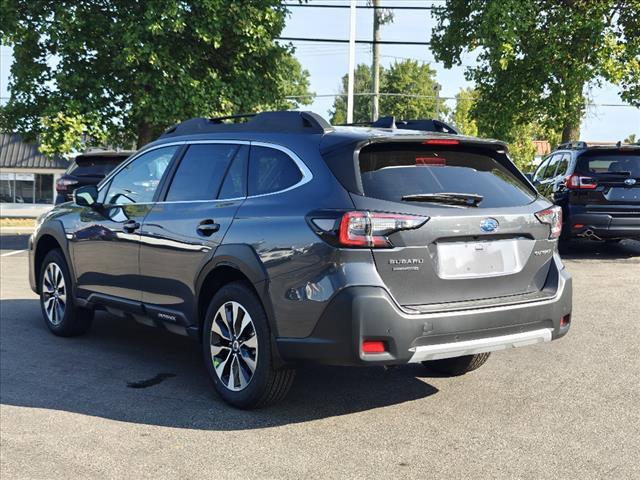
<point x="307" y="176"/>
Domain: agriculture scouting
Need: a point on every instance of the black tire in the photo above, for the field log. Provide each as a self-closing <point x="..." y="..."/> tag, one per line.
<point x="458" y="365"/>
<point x="266" y="385"/>
<point x="69" y="320"/>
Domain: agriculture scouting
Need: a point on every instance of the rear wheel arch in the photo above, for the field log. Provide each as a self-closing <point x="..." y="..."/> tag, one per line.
<point x="221" y="272"/>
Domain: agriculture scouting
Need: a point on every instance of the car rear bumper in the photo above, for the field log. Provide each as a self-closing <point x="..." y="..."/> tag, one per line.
<point x="369" y="313"/>
<point x="601" y="225"/>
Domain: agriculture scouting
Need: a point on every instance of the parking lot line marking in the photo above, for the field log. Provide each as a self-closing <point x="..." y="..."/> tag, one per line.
<point x="12" y="253"/>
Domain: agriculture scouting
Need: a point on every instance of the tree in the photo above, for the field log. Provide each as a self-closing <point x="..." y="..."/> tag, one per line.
<point x="537" y="58"/>
<point x="461" y="116"/>
<point x="118" y="71"/>
<point x="409" y="90"/>
<point x="631" y="138"/>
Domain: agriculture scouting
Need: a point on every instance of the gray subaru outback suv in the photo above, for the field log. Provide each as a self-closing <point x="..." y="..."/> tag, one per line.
<point x="283" y="240"/>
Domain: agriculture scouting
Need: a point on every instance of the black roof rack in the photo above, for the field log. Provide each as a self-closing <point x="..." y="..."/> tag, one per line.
<point x="427" y="125"/>
<point x="574" y="145"/>
<point x="267" y="122"/>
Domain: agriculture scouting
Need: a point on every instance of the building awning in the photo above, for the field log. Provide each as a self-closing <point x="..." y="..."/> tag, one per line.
<point x="14" y="153"/>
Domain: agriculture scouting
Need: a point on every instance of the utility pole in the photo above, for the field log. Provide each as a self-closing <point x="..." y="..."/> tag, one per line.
<point x="375" y="106"/>
<point x="352" y="60"/>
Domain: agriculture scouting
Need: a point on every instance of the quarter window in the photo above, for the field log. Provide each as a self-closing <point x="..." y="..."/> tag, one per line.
<point x="271" y="170"/>
<point x="138" y="181"/>
<point x="201" y="171"/>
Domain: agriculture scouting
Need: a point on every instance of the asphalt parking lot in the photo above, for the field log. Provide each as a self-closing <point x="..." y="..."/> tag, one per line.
<point x="568" y="409"/>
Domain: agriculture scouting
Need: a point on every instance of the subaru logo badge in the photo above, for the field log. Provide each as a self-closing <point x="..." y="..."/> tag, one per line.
<point x="630" y="182"/>
<point x="489" y="225"/>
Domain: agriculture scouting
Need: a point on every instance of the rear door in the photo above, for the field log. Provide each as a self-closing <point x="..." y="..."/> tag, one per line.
<point x="608" y="181"/>
<point x="181" y="233"/>
<point x="497" y="248"/>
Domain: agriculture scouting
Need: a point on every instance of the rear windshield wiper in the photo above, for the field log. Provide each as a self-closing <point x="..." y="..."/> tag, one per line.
<point x="465" y="199"/>
<point x="626" y="173"/>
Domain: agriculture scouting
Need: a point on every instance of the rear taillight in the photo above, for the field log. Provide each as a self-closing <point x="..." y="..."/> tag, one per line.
<point x="577" y="182"/>
<point x="370" y="229"/>
<point x="63" y="183"/>
<point x="552" y="217"/>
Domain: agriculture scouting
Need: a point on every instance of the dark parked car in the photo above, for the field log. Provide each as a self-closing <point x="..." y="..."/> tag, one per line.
<point x="597" y="187"/>
<point x="284" y="240"/>
<point x="87" y="169"/>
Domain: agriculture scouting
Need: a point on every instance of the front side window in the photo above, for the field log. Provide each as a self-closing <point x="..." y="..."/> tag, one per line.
<point x="201" y="171"/>
<point x="139" y="180"/>
<point x="271" y="170"/>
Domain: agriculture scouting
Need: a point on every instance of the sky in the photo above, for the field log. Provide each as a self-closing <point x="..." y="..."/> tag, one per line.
<point x="327" y="63"/>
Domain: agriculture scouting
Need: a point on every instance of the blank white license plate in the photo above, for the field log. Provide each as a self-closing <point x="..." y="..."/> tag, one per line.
<point x="482" y="259"/>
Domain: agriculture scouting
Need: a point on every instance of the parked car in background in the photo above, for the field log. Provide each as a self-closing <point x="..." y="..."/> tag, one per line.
<point x="597" y="187"/>
<point x="285" y="240"/>
<point x="88" y="169"/>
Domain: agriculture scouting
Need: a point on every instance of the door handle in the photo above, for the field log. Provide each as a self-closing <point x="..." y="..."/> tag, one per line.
<point x="208" y="227"/>
<point x="130" y="226"/>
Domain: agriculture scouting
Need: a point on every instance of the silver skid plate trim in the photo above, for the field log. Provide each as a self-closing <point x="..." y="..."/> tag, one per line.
<point x="480" y="345"/>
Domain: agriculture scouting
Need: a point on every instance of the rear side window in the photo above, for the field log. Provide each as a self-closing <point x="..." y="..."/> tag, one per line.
<point x="623" y="163"/>
<point x="271" y="170"/>
<point x="200" y="172"/>
<point x="235" y="183"/>
<point x="391" y="171"/>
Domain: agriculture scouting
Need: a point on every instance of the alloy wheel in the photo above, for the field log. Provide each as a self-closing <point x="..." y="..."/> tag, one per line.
<point x="54" y="293"/>
<point x="234" y="346"/>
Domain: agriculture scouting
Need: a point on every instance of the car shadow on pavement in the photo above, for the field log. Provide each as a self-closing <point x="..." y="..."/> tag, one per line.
<point x="595" y="250"/>
<point x="127" y="372"/>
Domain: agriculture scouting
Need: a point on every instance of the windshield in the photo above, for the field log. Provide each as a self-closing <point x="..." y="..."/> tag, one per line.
<point x="599" y="164"/>
<point x="393" y="171"/>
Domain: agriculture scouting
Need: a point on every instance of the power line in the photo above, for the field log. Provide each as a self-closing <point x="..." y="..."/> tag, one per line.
<point x="340" y="40"/>
<point x="363" y="7"/>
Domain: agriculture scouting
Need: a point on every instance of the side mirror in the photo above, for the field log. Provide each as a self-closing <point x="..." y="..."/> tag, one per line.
<point x="86" y="196"/>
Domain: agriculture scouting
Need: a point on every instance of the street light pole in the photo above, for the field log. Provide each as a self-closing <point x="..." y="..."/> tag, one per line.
<point x="352" y="60"/>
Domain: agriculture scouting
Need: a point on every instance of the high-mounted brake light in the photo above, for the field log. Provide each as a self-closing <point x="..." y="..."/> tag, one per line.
<point x="370" y="229"/>
<point x="577" y="182"/>
<point x="552" y="217"/>
<point x="441" y="141"/>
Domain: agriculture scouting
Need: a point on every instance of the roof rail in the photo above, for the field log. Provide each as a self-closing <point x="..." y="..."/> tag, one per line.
<point x="573" y="145"/>
<point x="428" y="125"/>
<point x="287" y="121"/>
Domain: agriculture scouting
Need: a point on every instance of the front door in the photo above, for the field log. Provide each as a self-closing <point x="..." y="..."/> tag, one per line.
<point x="182" y="231"/>
<point x="106" y="241"/>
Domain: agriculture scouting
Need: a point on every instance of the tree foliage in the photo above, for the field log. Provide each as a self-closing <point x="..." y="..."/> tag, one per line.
<point x="119" y="70"/>
<point x="537" y="58"/>
<point x="411" y="87"/>
<point x="461" y="117"/>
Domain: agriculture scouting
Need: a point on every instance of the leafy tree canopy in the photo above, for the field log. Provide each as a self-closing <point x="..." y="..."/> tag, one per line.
<point x="537" y="58"/>
<point x="118" y="71"/>
<point x="412" y="88"/>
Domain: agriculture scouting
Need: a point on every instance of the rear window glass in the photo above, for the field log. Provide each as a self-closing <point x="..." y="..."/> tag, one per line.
<point x="391" y="171"/>
<point x="622" y="163"/>
<point x="94" y="167"/>
<point x="271" y="170"/>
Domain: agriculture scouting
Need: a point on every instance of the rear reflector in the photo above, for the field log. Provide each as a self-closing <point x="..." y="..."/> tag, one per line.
<point x="552" y="217"/>
<point x="441" y="141"/>
<point x="373" y="346"/>
<point x="566" y="320"/>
